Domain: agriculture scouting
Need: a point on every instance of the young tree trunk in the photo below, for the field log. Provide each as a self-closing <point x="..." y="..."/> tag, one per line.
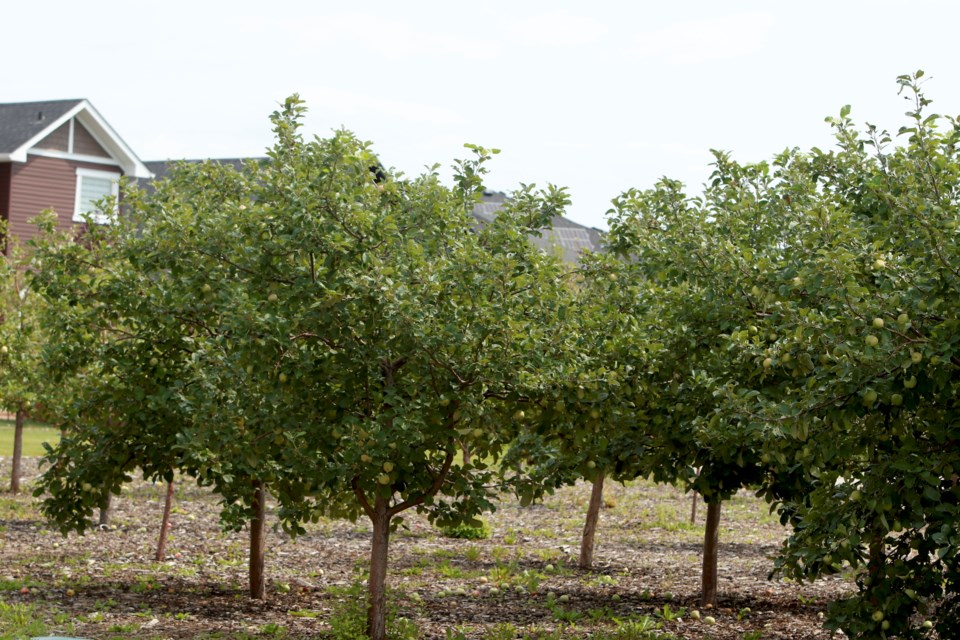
<point x="106" y="501"/>
<point x="258" y="531"/>
<point x="377" y="613"/>
<point x="693" y="508"/>
<point x="711" y="539"/>
<point x="590" y="527"/>
<point x="17" y="449"/>
<point x="165" y="525"/>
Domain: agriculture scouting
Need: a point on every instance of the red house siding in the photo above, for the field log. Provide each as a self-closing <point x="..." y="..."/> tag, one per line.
<point x="44" y="183"/>
<point x="4" y="190"/>
<point x="85" y="144"/>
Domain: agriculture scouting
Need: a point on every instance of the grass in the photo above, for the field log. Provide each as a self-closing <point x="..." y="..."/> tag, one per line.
<point x="34" y="435"/>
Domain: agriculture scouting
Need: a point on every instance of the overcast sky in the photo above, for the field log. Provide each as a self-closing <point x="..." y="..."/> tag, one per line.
<point x="598" y="96"/>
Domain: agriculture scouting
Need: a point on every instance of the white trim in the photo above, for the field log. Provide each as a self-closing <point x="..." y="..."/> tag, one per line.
<point x="93" y="173"/>
<point x="70" y="136"/>
<point x="94" y="123"/>
<point x="63" y="155"/>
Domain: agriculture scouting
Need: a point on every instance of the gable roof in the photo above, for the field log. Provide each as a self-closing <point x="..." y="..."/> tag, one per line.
<point x="565" y="236"/>
<point x="24" y="124"/>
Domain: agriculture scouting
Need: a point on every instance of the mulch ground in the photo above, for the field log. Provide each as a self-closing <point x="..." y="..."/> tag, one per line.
<point x="521" y="581"/>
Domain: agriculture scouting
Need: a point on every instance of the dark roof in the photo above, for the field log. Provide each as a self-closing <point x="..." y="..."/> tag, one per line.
<point x="161" y="168"/>
<point x="21" y="121"/>
<point x="564" y="236"/>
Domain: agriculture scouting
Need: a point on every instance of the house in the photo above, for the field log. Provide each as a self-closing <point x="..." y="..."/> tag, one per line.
<point x="566" y="238"/>
<point x="61" y="155"/>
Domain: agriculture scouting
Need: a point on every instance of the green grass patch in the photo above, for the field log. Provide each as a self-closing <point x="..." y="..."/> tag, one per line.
<point x="34" y="435"/>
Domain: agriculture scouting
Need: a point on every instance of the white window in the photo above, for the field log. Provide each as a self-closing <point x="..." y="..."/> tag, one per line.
<point x="93" y="186"/>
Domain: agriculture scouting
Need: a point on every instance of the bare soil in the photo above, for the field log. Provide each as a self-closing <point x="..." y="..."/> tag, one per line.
<point x="521" y="581"/>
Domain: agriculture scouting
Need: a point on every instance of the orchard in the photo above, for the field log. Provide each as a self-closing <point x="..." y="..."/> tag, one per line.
<point x="312" y="338"/>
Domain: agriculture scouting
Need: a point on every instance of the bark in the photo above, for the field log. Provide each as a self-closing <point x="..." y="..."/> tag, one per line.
<point x="377" y="613"/>
<point x="106" y="501"/>
<point x="693" y="509"/>
<point x="17" y="449"/>
<point x="711" y="540"/>
<point x="165" y="525"/>
<point x="590" y="527"/>
<point x="258" y="531"/>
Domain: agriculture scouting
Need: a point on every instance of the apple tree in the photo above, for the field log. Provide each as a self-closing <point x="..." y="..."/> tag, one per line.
<point x="20" y="339"/>
<point x="338" y="332"/>
<point x="857" y="392"/>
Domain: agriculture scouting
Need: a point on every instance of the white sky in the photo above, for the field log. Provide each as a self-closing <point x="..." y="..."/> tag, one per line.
<point x="598" y="96"/>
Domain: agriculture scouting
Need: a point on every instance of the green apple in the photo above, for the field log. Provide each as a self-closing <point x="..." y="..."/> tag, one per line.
<point x="855" y="495"/>
<point x="207" y="288"/>
<point x="916" y="357"/>
<point x="388" y="466"/>
<point x="910" y="383"/>
<point x="282" y="377"/>
<point x="903" y="318"/>
<point x="871" y="340"/>
<point x="927" y="624"/>
<point x="877" y="615"/>
<point x="710" y="620"/>
<point x="272" y="297"/>
<point x="870" y="397"/>
<point x="591" y="465"/>
<point x="154" y="362"/>
<point x="767" y="363"/>
<point x="364" y="458"/>
<point x="879" y="263"/>
<point x="383" y="479"/>
<point x="878" y="323"/>
<point x="896" y="400"/>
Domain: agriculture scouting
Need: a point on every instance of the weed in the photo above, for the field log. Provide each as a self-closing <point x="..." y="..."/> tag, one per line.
<point x="499" y="554"/>
<point x="602" y="580"/>
<point x="457" y="633"/>
<point x="502" y="631"/>
<point x="447" y="570"/>
<point x="348" y="617"/>
<point x="669" y="614"/>
<point x="472" y="553"/>
<point x="467" y="531"/>
<point x="20" y="620"/>
<point x="601" y="614"/>
<point x="273" y="629"/>
<point x="752" y="635"/>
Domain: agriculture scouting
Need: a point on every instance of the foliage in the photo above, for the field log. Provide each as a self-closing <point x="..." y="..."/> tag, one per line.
<point x="465" y="531"/>
<point x="333" y="333"/>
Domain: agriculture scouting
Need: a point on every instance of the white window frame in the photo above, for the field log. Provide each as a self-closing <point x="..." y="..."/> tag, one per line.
<point x="97" y="216"/>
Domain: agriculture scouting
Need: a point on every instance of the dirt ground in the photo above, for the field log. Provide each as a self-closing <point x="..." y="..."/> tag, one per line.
<point x="521" y="581"/>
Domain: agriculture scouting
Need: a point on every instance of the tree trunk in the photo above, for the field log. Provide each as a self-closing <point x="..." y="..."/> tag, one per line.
<point x="165" y="525"/>
<point x="693" y="509"/>
<point x="711" y="539"/>
<point x="258" y="531"/>
<point x="17" y="450"/>
<point x="106" y="500"/>
<point x="377" y="613"/>
<point x="590" y="527"/>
